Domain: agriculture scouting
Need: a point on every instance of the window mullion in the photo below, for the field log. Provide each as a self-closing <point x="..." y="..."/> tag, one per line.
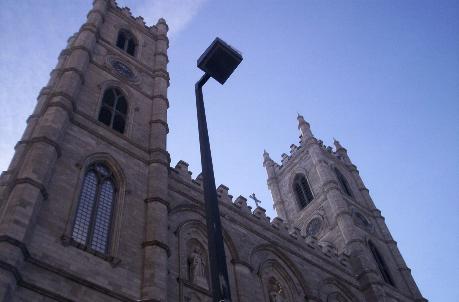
<point x="305" y="195"/>
<point x="113" y="110"/>
<point x="94" y="212"/>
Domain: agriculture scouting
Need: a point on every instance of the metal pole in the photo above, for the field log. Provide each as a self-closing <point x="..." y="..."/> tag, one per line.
<point x="218" y="270"/>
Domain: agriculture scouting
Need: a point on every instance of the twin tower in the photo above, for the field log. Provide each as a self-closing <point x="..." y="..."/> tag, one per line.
<point x="92" y="210"/>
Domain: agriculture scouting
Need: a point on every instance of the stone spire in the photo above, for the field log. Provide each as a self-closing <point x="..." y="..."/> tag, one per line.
<point x="268" y="163"/>
<point x="162" y="26"/>
<point x="341" y="151"/>
<point x="305" y="128"/>
<point x="266" y="157"/>
<point x="337" y="144"/>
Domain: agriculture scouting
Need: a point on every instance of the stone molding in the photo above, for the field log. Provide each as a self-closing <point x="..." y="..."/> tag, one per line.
<point x="161" y="97"/>
<point x="243" y="263"/>
<point x="96" y="11"/>
<point x="73" y="69"/>
<point x="32" y="182"/>
<point x="158" y="244"/>
<point x="163" y="123"/>
<point x="66" y="241"/>
<point x="49" y="102"/>
<point x="88" y="27"/>
<point x="160" y="200"/>
<point x="159" y="161"/>
<point x="42" y="139"/>
<point x="71" y="49"/>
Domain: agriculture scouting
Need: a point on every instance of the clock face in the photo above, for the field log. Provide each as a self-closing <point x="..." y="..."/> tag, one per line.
<point x="122" y="69"/>
<point x="313" y="227"/>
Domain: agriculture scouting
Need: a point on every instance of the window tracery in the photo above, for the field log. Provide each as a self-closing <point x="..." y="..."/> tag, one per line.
<point x="93" y="217"/>
<point x="381" y="264"/>
<point x="302" y="190"/>
<point x="276" y="291"/>
<point x="113" y="110"/>
<point x="343" y="183"/>
<point x="126" y="42"/>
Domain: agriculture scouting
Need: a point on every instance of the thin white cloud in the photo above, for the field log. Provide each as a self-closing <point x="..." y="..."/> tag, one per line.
<point x="178" y="13"/>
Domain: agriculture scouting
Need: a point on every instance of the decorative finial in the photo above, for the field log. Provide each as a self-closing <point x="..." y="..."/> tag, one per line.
<point x="162" y="22"/>
<point x="337" y="144"/>
<point x="265" y="154"/>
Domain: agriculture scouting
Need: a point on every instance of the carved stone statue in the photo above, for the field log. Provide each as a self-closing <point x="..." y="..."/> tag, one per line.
<point x="197" y="268"/>
<point x="276" y="293"/>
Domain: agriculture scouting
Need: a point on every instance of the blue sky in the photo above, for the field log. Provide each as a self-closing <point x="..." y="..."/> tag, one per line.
<point x="381" y="76"/>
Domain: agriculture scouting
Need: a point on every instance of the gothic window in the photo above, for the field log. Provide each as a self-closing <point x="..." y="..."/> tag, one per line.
<point x="126" y="42"/>
<point x="113" y="110"/>
<point x="361" y="220"/>
<point x="302" y="190"/>
<point x="381" y="264"/>
<point x="95" y="206"/>
<point x="343" y="183"/>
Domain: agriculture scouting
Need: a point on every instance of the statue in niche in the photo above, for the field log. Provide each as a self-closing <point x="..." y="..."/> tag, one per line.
<point x="197" y="268"/>
<point x="336" y="297"/>
<point x="276" y="292"/>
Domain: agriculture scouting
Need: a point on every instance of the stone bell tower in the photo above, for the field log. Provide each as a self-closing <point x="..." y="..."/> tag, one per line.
<point x="83" y="204"/>
<point x="319" y="190"/>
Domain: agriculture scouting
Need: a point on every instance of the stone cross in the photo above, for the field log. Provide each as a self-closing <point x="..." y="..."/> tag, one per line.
<point x="257" y="201"/>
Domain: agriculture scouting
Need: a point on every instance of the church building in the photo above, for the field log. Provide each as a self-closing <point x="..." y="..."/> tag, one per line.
<point x="92" y="210"/>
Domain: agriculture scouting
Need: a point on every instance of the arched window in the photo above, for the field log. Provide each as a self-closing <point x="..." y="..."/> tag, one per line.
<point x="93" y="217"/>
<point x="343" y="183"/>
<point x="302" y="190"/>
<point x="381" y="264"/>
<point x="114" y="109"/>
<point x="126" y="42"/>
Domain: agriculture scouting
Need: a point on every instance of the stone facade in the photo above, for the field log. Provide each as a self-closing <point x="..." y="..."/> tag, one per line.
<point x="335" y="248"/>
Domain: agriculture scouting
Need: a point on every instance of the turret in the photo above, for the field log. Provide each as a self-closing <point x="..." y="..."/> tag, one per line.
<point x="279" y="204"/>
<point x="269" y="164"/>
<point x="316" y="189"/>
<point x="305" y="129"/>
<point x="341" y="151"/>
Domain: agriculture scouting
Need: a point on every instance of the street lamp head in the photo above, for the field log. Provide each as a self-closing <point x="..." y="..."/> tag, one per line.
<point x="219" y="60"/>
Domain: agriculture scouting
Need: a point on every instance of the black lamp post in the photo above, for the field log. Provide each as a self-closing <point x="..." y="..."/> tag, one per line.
<point x="218" y="61"/>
